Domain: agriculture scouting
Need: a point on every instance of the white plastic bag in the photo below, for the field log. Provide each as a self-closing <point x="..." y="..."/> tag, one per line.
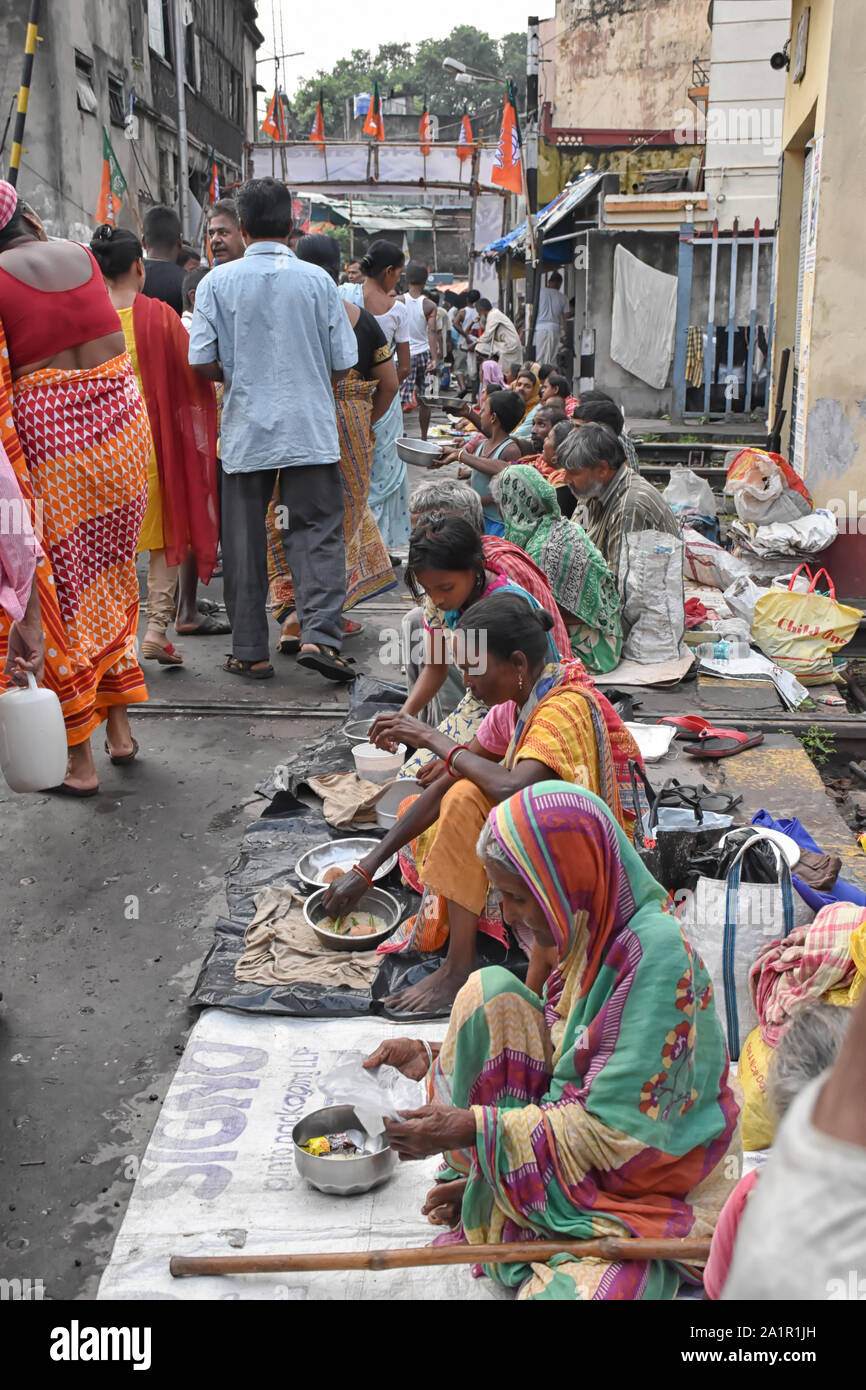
<point x="653" y="608"/>
<point x="807" y="535"/>
<point x="686" y="492"/>
<point x="741" y="597"/>
<point x="763" y="496"/>
<point x="707" y="563"/>
<point x="376" y="1095"/>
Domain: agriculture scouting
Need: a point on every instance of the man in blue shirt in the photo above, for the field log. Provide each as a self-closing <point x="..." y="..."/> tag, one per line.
<point x="274" y="329"/>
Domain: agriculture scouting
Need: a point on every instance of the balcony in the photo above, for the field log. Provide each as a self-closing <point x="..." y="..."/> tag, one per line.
<point x="699" y="91"/>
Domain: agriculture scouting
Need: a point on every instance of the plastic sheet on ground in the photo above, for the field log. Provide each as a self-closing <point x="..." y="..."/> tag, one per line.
<point x="332" y="752"/>
<point x="218" y="1176"/>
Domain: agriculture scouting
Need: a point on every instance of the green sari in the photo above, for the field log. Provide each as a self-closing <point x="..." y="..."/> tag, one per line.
<point x="579" y="576"/>
<point x="604" y="1107"/>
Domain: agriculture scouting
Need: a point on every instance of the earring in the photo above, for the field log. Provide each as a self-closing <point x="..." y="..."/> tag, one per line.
<point x="520" y="682"/>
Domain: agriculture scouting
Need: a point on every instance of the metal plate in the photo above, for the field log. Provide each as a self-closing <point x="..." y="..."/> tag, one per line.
<point x="316" y="862"/>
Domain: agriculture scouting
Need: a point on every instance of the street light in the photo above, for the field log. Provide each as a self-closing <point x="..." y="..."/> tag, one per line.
<point x="465" y="74"/>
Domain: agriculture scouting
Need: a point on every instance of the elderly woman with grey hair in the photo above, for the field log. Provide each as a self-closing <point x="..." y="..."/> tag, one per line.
<point x="808" y="1048"/>
<point x="436" y="691"/>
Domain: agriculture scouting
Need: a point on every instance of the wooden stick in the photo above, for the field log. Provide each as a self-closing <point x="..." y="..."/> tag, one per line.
<point x="610" y="1248"/>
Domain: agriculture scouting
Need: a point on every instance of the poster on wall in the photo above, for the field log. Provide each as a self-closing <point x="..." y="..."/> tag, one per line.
<point x="798" y="462"/>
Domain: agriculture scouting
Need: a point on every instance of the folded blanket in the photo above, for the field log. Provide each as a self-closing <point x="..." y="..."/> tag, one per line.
<point x="829" y="955"/>
<point x="281" y="948"/>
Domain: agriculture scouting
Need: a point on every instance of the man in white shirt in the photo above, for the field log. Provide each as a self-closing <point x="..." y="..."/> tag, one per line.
<point x="550" y="324"/>
<point x="465" y="322"/>
<point x="423" y="348"/>
<point x="499" y="338"/>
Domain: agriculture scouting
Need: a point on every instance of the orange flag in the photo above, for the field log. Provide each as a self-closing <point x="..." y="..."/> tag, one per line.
<point x="466" y="142"/>
<point x="274" y="123"/>
<point x="113" y="184"/>
<point x="317" y="134"/>
<point x="425" y="131"/>
<point x="506" y="166"/>
<point x="374" y="125"/>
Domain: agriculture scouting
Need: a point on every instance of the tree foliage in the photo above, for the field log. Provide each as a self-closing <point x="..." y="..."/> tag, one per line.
<point x="419" y="71"/>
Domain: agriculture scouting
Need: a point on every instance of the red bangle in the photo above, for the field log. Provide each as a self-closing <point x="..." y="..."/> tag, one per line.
<point x="461" y="748"/>
<point x="364" y="874"/>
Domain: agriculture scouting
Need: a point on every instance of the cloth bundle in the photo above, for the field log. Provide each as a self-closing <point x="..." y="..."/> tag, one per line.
<point x="829" y="955"/>
<point x="347" y="798"/>
<point x="281" y="948"/>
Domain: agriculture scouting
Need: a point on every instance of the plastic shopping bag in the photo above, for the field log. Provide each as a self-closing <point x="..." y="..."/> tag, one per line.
<point x="803" y="632"/>
<point x="686" y="492"/>
<point x="376" y="1095"/>
<point x="765" y="488"/>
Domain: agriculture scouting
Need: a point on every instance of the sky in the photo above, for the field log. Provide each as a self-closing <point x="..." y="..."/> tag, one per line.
<point x="330" y="30"/>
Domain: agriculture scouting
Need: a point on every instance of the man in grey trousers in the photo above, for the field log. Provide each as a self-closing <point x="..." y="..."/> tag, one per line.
<point x="274" y="329"/>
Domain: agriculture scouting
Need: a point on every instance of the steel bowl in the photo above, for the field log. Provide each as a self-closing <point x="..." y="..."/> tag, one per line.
<point x="358" y="729"/>
<point x="341" y="1177"/>
<point x="418" y="451"/>
<point x="386" y="806"/>
<point x="313" y="865"/>
<point x="375" y="900"/>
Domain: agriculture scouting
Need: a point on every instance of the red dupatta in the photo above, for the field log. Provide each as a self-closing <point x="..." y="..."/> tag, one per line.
<point x="181" y="407"/>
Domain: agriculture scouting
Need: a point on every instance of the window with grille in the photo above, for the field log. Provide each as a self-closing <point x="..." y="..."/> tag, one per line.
<point x="116" y="101"/>
<point x="84" y="84"/>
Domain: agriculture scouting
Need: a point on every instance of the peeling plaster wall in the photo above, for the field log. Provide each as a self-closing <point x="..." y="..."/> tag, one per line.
<point x="622" y="63"/>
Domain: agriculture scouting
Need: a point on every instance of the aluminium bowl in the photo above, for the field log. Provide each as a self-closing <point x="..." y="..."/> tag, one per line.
<point x="340" y="1177"/>
<point x="418" y="451"/>
<point x="375" y="900"/>
<point x="313" y="865"/>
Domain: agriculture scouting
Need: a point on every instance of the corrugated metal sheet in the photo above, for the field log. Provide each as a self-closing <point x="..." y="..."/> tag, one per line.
<point x="549" y="216"/>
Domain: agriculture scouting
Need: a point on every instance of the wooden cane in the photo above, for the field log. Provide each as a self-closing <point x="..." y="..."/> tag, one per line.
<point x="611" y="1248"/>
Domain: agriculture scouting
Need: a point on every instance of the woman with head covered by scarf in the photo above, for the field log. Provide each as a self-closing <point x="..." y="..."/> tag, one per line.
<point x="75" y="429"/>
<point x="601" y="1107"/>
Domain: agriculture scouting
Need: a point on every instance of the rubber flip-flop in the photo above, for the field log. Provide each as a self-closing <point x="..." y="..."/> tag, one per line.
<point x="121" y="759"/>
<point x="63" y="790"/>
<point x="688" y="725"/>
<point x="326" y="661"/>
<point x="724" y="745"/>
<point x="352" y="629"/>
<point x="290" y="646"/>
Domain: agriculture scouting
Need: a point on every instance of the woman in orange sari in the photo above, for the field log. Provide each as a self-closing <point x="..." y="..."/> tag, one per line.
<point x="182" y="508"/>
<point x="75" y="429"/>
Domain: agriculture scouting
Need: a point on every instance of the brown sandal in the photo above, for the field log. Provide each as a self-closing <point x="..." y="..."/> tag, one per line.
<point x="328" y="662"/>
<point x="166" y="656"/>
<point x="236" y="667"/>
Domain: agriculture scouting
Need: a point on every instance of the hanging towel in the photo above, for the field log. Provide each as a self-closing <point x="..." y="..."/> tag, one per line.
<point x="644" y="318"/>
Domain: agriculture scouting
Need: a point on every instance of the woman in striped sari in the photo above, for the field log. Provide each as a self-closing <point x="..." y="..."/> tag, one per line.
<point x="75" y="428"/>
<point x="548" y="723"/>
<point x="597" y="1104"/>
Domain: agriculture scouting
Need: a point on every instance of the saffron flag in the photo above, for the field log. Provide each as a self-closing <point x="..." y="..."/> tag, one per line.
<point x="113" y="185"/>
<point x="274" y="123"/>
<point x="466" y="142"/>
<point x="506" y="166"/>
<point x="214" y="192"/>
<point x="425" y="131"/>
<point x="317" y="134"/>
<point x="374" y="125"/>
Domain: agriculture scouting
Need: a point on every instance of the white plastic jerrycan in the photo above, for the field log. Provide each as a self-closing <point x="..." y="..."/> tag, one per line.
<point x="33" y="749"/>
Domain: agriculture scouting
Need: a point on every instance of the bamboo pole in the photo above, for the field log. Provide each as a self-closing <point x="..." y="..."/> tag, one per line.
<point x="611" y="1248"/>
<point x="31" y="38"/>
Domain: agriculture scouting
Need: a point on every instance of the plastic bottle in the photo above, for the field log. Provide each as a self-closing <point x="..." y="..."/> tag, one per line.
<point x="722" y="651"/>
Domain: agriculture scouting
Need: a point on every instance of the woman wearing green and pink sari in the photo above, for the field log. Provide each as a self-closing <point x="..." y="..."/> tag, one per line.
<point x="600" y="1108"/>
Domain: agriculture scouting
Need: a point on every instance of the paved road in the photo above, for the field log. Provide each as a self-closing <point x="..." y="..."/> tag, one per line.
<point x="107" y="912"/>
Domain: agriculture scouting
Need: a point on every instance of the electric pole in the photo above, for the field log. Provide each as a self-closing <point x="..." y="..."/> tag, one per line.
<point x="182" y="147"/>
<point x="530" y="143"/>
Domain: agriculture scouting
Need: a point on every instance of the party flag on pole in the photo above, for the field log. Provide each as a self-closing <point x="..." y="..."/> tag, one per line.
<point x="113" y="184"/>
<point x="466" y="141"/>
<point x="425" y="131"/>
<point x="274" y="123"/>
<point x="506" y="165"/>
<point x="317" y="134"/>
<point x="374" y="125"/>
<point x="214" y="191"/>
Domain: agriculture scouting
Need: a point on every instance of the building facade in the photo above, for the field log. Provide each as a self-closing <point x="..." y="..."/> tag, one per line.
<point x="104" y="63"/>
<point x="820" y="287"/>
